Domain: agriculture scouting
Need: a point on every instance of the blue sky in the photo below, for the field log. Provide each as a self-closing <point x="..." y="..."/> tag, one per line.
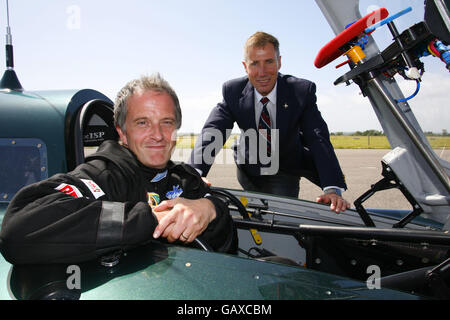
<point x="197" y="45"/>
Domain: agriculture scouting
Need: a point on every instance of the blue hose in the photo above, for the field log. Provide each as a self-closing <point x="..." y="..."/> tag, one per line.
<point x="387" y="20"/>
<point x="413" y="95"/>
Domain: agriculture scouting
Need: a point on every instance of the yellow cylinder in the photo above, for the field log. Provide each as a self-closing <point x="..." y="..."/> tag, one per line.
<point x="356" y="54"/>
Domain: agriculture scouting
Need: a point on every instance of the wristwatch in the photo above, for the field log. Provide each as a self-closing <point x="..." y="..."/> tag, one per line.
<point x="334" y="190"/>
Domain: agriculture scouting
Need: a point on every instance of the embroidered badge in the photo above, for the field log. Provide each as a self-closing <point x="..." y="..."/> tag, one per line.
<point x="95" y="189"/>
<point x="69" y="189"/>
<point x="153" y="199"/>
<point x="176" y="192"/>
<point x="159" y="176"/>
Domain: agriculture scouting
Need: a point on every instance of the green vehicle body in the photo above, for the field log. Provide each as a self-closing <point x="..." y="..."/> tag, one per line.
<point x="154" y="270"/>
<point x="309" y="252"/>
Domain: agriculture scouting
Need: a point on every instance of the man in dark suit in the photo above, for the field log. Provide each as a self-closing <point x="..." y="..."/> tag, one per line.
<point x="283" y="136"/>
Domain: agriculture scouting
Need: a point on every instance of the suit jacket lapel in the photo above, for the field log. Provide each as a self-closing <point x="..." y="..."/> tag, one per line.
<point x="283" y="111"/>
<point x="247" y="107"/>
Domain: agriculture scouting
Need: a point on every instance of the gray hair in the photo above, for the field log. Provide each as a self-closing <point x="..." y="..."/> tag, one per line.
<point x="154" y="82"/>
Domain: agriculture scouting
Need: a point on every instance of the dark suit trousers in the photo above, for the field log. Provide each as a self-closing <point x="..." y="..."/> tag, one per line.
<point x="282" y="184"/>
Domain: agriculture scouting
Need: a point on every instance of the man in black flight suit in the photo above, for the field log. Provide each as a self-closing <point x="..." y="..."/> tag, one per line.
<point x="126" y="194"/>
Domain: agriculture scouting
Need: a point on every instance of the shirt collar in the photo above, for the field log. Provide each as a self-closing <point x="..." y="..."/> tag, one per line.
<point x="153" y="174"/>
<point x="272" y="96"/>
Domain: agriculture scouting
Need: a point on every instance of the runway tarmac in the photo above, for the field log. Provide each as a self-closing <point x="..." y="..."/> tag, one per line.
<point x="361" y="167"/>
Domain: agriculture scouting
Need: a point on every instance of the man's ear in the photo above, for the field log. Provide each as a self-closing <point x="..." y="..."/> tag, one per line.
<point x="122" y="135"/>
<point x="245" y="66"/>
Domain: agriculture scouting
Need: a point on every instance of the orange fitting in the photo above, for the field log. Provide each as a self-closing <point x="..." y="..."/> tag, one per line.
<point x="356" y="54"/>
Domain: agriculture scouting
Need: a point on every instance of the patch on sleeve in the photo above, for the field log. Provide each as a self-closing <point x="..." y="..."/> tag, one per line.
<point x="69" y="189"/>
<point x="97" y="192"/>
<point x="176" y="192"/>
<point x="153" y="199"/>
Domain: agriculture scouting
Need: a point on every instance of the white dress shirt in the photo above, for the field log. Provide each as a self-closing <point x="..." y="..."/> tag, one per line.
<point x="271" y="106"/>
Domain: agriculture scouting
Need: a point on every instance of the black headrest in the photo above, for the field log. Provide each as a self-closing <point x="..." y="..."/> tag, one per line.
<point x="97" y="124"/>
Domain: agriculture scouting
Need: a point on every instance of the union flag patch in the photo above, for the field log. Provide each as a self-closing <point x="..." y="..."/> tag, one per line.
<point x="69" y="189"/>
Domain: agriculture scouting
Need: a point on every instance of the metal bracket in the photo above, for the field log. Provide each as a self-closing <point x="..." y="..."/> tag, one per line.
<point x="389" y="181"/>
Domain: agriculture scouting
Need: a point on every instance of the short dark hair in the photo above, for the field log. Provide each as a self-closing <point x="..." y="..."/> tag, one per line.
<point x="260" y="39"/>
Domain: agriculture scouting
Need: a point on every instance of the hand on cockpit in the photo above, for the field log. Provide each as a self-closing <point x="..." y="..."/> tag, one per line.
<point x="337" y="203"/>
<point x="183" y="219"/>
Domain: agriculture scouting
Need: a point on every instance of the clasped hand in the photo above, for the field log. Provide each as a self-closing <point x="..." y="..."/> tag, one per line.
<point x="183" y="219"/>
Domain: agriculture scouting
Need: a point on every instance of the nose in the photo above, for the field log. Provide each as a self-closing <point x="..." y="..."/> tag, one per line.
<point x="262" y="70"/>
<point x="155" y="133"/>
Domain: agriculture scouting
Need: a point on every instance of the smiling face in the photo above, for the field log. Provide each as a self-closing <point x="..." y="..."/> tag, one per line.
<point x="262" y="65"/>
<point x="150" y="127"/>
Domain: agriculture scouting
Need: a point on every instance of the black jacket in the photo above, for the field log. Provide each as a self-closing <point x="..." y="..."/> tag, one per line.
<point x="101" y="206"/>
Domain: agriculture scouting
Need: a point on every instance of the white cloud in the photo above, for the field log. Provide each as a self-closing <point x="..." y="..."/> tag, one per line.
<point x="196" y="109"/>
<point x="430" y="105"/>
<point x="346" y="109"/>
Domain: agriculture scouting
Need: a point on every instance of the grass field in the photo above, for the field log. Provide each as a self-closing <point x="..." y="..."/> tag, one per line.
<point x="339" y="142"/>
